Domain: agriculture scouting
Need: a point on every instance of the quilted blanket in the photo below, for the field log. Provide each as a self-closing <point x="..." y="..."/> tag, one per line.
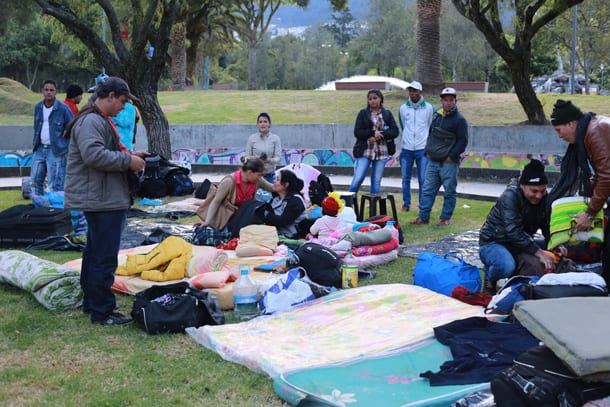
<point x="55" y="286"/>
<point x="344" y="325"/>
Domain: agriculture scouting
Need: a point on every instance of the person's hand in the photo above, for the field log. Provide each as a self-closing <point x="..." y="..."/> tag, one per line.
<point x="561" y="251"/>
<point x="201" y="223"/>
<point x="545" y="259"/>
<point x="448" y="160"/>
<point x="141" y="153"/>
<point x="582" y="221"/>
<point x="136" y="164"/>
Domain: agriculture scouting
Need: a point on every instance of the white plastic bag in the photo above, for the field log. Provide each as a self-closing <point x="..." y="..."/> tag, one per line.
<point x="287" y="292"/>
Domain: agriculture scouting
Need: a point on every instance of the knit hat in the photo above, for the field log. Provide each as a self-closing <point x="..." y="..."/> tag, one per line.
<point x="73" y="91"/>
<point x="564" y="112"/>
<point x="533" y="174"/>
<point x="332" y="204"/>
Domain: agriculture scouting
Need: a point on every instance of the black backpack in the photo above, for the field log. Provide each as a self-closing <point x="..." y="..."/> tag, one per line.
<point x="540" y="379"/>
<point x="174" y="307"/>
<point x="178" y="182"/>
<point x="322" y="264"/>
<point x="319" y="189"/>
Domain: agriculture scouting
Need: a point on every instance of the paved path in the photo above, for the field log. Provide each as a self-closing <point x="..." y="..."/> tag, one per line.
<point x="465" y="189"/>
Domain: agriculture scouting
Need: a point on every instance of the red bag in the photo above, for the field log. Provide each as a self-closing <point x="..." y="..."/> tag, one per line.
<point x="470" y="297"/>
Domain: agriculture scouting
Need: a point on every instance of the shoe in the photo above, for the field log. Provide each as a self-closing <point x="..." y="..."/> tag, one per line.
<point x="489" y="288"/>
<point x="405" y="208"/>
<point x="115" y="318"/>
<point x="418" y="221"/>
<point x="443" y="222"/>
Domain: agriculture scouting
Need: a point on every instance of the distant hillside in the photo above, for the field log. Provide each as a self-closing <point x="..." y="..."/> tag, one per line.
<point x="318" y="11"/>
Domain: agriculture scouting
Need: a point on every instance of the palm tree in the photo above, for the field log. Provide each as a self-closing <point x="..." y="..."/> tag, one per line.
<point x="428" y="49"/>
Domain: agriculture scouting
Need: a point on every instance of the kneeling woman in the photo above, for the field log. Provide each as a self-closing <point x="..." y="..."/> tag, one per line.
<point x="232" y="191"/>
<point x="286" y="210"/>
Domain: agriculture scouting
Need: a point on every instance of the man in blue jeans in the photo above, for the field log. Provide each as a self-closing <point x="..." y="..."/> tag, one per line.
<point x="443" y="171"/>
<point x="507" y="236"/>
<point x="49" y="145"/>
<point x="96" y="183"/>
<point x="415" y="117"/>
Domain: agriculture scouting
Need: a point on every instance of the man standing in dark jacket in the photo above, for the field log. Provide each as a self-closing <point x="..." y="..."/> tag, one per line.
<point x="96" y="183"/>
<point x="444" y="170"/>
<point x="508" y="232"/>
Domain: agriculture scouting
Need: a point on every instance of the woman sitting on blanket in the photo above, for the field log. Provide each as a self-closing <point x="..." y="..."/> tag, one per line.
<point x="286" y="210"/>
<point x="232" y="191"/>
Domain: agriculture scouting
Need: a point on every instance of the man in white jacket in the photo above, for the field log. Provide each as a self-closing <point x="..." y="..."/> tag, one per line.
<point x="415" y="117"/>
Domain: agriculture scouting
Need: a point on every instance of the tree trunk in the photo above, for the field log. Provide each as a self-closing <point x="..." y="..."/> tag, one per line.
<point x="520" y="75"/>
<point x="252" y="67"/>
<point x="428" y="48"/>
<point x="156" y="124"/>
<point x="178" y="55"/>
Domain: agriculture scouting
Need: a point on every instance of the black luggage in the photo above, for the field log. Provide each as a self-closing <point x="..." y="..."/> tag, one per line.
<point x="22" y="225"/>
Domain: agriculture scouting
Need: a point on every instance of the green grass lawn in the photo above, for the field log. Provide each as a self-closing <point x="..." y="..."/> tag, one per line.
<point x="298" y="106"/>
<point x="60" y="358"/>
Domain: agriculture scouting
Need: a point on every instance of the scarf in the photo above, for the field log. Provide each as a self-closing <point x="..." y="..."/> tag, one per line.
<point x="575" y="169"/>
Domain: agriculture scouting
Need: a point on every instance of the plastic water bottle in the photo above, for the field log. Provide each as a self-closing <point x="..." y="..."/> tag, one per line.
<point x="245" y="294"/>
<point x="390" y="226"/>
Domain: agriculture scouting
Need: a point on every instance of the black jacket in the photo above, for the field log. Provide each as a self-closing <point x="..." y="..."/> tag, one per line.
<point x="363" y="129"/>
<point x="513" y="221"/>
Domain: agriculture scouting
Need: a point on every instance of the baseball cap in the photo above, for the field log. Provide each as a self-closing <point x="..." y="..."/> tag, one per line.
<point x="415" y="85"/>
<point x="448" y="91"/>
<point x="118" y="86"/>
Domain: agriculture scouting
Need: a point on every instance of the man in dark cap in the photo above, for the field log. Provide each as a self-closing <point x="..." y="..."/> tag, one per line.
<point x="74" y="95"/>
<point x="506" y="239"/>
<point x="96" y="183"/>
<point x="588" y="136"/>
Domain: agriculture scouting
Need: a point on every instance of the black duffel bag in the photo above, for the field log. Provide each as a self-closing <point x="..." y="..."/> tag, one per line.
<point x="174" y="307"/>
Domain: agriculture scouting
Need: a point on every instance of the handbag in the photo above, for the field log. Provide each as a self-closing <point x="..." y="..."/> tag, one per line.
<point x="439" y="143"/>
<point x="391" y="147"/>
<point x="443" y="273"/>
<point x="225" y="210"/>
<point x="172" y="308"/>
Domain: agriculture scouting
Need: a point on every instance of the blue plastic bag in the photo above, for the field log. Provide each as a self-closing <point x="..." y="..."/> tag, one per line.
<point x="443" y="273"/>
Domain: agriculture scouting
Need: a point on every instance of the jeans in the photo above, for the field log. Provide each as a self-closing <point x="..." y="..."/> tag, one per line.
<point x="44" y="163"/>
<point x="498" y="261"/>
<point x="437" y="174"/>
<point x="100" y="262"/>
<point x="407" y="158"/>
<point x="360" y="167"/>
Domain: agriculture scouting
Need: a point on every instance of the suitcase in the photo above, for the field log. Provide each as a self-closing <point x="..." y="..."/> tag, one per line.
<point x="22" y="225"/>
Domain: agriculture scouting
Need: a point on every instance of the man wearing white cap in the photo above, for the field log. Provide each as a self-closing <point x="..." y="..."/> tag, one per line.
<point x="447" y="141"/>
<point x="415" y="117"/>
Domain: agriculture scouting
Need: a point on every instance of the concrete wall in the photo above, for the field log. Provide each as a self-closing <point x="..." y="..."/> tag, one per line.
<point x="491" y="150"/>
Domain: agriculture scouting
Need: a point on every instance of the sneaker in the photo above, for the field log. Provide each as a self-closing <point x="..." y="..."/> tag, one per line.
<point x="443" y="222"/>
<point x="115" y="318"/>
<point x="405" y="208"/>
<point x="419" y="221"/>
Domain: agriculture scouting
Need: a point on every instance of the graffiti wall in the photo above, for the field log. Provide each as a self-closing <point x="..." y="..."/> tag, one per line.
<point x="327" y="157"/>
